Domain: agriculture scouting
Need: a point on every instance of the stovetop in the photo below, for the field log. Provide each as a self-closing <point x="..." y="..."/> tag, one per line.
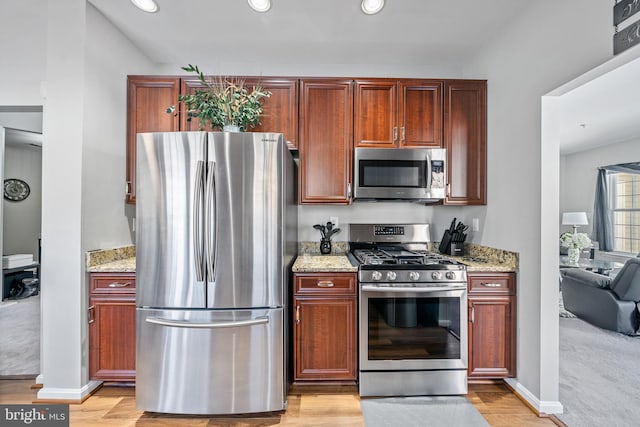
<point x="391" y="257"/>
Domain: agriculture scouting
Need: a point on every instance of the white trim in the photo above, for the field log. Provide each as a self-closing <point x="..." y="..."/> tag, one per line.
<point x="40" y="379"/>
<point x="73" y="394"/>
<point x="543" y="407"/>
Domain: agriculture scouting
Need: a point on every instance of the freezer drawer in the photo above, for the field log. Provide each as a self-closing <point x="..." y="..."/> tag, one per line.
<point x="210" y="362"/>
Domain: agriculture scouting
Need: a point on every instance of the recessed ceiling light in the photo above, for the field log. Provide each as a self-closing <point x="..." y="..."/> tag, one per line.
<point x="260" y="5"/>
<point x="146" y="5"/>
<point x="371" y="7"/>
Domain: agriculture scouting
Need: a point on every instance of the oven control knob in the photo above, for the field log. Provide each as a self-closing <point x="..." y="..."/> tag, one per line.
<point x="391" y="275"/>
<point x="414" y="275"/>
<point x="450" y="275"/>
<point x="376" y="275"/>
<point x="436" y="275"/>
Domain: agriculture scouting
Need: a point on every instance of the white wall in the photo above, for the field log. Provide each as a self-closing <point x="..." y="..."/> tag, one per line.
<point x="533" y="55"/>
<point x="579" y="171"/>
<point x="21" y="220"/>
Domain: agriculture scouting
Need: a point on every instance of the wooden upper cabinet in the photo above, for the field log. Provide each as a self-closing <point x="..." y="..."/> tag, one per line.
<point x="398" y="113"/>
<point x="280" y="110"/>
<point x="326" y="140"/>
<point x="420" y="112"/>
<point x="465" y="135"/>
<point x="375" y="113"/>
<point x="147" y="100"/>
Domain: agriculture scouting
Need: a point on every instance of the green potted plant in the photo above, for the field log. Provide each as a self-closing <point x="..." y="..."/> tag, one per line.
<point x="224" y="103"/>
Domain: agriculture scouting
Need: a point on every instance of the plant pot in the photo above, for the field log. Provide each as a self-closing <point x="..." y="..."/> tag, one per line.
<point x="231" y="128"/>
<point x="325" y="246"/>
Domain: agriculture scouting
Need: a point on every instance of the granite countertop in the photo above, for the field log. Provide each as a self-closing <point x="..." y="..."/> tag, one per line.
<point x="127" y="265"/>
<point x="122" y="259"/>
<point x="309" y="263"/>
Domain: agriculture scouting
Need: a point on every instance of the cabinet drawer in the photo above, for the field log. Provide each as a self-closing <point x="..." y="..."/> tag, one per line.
<point x="503" y="283"/>
<point x="334" y="283"/>
<point x="112" y="282"/>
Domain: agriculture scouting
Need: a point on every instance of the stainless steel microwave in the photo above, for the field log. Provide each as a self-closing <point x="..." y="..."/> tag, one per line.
<point x="415" y="174"/>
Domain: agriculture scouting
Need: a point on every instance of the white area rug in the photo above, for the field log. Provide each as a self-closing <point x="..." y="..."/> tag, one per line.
<point x="432" y="411"/>
<point x="599" y="376"/>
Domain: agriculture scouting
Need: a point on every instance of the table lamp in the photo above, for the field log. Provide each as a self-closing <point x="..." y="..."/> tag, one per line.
<point x="574" y="219"/>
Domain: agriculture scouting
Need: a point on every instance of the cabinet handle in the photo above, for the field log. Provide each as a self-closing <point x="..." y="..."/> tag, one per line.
<point x="348" y="190"/>
<point x="325" y="284"/>
<point x="395" y="133"/>
<point x="448" y="189"/>
<point x="91" y="311"/>
<point x="297" y="315"/>
<point x="491" y="285"/>
<point x="473" y="314"/>
<point x="119" y="285"/>
<point x="402" y="132"/>
<point x="127" y="188"/>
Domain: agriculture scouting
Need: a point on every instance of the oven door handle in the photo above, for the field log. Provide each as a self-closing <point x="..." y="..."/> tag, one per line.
<point x="416" y="289"/>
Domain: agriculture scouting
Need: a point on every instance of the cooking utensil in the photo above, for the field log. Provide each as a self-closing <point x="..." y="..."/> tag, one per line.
<point x="332" y="232"/>
<point x="321" y="229"/>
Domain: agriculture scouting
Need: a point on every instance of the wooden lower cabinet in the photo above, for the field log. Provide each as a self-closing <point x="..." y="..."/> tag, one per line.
<point x="112" y="327"/>
<point x="325" y="327"/>
<point x="492" y="325"/>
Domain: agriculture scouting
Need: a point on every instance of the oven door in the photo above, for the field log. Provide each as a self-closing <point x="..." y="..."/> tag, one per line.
<point x="390" y="173"/>
<point x="412" y="328"/>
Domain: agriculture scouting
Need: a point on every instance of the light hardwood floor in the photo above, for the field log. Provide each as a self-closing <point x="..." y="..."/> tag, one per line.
<point x="309" y="407"/>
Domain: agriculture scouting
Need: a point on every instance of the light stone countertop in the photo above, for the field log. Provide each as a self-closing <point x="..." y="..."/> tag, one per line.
<point x="126" y="265"/>
<point x="307" y="263"/>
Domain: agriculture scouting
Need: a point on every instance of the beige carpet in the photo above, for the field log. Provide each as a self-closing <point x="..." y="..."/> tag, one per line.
<point x="20" y="337"/>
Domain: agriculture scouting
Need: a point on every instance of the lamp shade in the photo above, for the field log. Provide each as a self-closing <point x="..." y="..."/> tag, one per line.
<point x="574" y="218"/>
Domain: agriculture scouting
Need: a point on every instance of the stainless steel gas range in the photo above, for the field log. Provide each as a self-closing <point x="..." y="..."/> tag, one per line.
<point x="413" y="313"/>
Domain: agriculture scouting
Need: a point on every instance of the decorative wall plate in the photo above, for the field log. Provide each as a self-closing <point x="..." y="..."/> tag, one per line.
<point x="16" y="189"/>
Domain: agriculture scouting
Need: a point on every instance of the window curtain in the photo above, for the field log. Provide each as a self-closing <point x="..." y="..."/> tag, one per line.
<point x="602" y="226"/>
<point x="602" y="221"/>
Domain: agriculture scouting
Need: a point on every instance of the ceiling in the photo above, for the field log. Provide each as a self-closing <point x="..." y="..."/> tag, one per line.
<point x="326" y="31"/>
<point x="413" y="32"/>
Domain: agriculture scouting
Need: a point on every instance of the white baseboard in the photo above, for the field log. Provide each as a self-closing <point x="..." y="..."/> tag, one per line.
<point x="542" y="406"/>
<point x="40" y="379"/>
<point x="68" y="394"/>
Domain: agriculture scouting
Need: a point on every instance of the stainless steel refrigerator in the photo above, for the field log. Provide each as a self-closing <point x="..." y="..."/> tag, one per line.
<point x="216" y="233"/>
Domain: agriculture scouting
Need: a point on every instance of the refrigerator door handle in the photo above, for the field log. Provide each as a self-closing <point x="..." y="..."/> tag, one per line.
<point x="197" y="221"/>
<point x="207" y="325"/>
<point x="211" y="215"/>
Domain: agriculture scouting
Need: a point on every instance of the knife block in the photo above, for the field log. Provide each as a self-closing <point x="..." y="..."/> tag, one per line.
<point x="456" y="248"/>
<point x="445" y="243"/>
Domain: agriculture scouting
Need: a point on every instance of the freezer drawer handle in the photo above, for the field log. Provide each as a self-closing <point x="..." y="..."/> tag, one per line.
<point x="210" y="325"/>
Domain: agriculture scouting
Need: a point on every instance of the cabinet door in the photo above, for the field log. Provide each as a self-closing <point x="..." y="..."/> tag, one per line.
<point x="375" y="113"/>
<point x="280" y="110"/>
<point x="420" y="112"/>
<point x="112" y="338"/>
<point x="326" y="140"/>
<point x="492" y="335"/>
<point x="325" y="338"/>
<point x="465" y="140"/>
<point x="147" y="101"/>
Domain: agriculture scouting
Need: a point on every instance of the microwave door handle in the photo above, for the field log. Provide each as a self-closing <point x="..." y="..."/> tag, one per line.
<point x="428" y="171"/>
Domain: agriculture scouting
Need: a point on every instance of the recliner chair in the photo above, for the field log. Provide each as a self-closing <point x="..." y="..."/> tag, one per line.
<point x="603" y="302"/>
